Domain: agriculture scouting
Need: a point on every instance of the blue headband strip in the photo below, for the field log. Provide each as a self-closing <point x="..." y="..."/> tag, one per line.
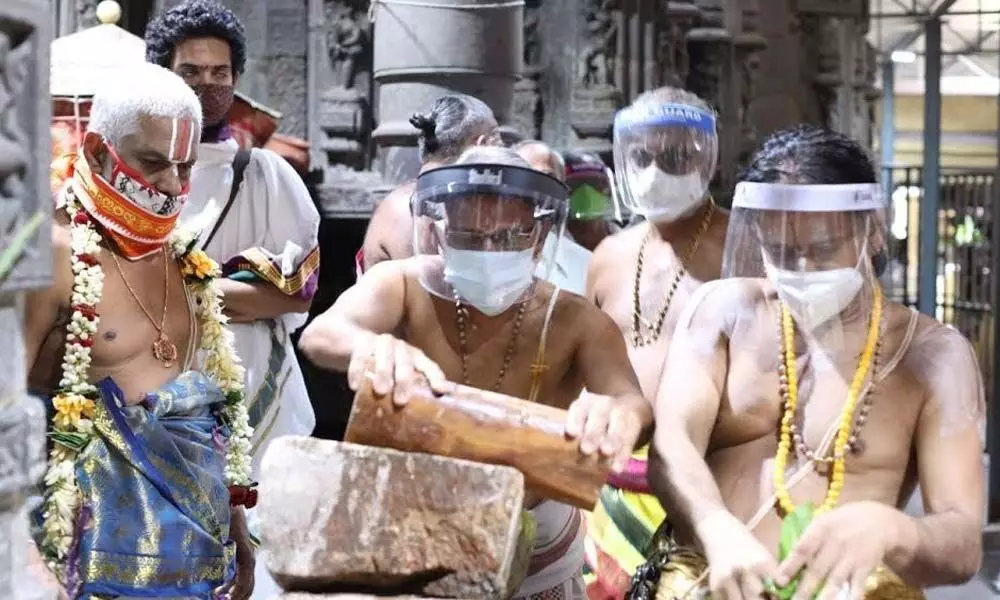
<point x="665" y="114"/>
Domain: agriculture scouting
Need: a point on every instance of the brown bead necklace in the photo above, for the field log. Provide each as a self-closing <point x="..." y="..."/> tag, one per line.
<point x="462" y="317"/>
<point x="855" y="445"/>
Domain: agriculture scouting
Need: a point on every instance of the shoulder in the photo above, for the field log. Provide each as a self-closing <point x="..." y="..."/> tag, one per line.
<point x="938" y="353"/>
<point x="946" y="366"/>
<point x="617" y="249"/>
<point x="576" y="313"/>
<point x="721" y="305"/>
<point x="395" y="207"/>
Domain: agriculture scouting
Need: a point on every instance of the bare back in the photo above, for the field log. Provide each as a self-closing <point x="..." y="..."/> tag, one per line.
<point x="390" y="232"/>
<point x="743" y="442"/>
<point x="123" y="345"/>
<point x="611" y="285"/>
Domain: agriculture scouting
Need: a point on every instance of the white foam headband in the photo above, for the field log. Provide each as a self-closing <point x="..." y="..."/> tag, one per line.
<point x="809" y="198"/>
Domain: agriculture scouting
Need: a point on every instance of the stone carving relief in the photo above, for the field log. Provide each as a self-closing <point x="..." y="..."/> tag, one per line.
<point x="526" y="110"/>
<point x="86" y="13"/>
<point x="596" y="96"/>
<point x="24" y="148"/>
<point x="343" y="86"/>
<point x="708" y="42"/>
<point x="672" y="58"/>
<point x="21" y="86"/>
<point x="748" y="45"/>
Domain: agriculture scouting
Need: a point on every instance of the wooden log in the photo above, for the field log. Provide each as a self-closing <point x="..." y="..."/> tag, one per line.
<point x="485" y="427"/>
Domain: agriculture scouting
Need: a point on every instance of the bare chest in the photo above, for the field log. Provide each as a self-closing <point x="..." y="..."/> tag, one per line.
<point x="884" y="419"/>
<point x="146" y="329"/>
<point x="505" y="359"/>
<point x="648" y="314"/>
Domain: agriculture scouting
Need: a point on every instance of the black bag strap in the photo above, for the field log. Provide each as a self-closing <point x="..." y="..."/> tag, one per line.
<point x="240" y="162"/>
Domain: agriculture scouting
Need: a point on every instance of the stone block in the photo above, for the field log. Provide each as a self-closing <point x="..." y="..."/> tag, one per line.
<point x="338" y="517"/>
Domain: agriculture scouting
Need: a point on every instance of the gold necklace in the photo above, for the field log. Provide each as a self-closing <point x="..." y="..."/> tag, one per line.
<point x="655" y="328"/>
<point x="163" y="349"/>
<point x="461" y="316"/>
<point x="789" y="382"/>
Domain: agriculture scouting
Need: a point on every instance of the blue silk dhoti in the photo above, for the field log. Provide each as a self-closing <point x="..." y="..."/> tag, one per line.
<point x="154" y="519"/>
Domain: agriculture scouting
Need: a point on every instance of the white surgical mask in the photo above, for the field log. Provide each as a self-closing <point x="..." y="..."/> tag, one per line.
<point x="490" y="281"/>
<point x="815" y="297"/>
<point x="665" y="197"/>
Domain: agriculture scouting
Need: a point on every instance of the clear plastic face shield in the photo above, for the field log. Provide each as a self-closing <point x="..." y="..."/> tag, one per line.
<point x="479" y="231"/>
<point x="665" y="157"/>
<point x="814" y="244"/>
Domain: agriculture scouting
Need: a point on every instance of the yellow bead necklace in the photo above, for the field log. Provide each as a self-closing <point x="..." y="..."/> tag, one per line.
<point x="790" y="389"/>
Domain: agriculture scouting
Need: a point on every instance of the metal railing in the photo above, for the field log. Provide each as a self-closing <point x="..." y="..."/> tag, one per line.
<point x="963" y="287"/>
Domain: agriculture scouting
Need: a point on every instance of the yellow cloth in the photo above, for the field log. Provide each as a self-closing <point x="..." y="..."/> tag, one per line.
<point x="679" y="581"/>
<point x="613" y="554"/>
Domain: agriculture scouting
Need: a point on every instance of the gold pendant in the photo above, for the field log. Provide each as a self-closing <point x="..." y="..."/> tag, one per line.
<point x="165" y="351"/>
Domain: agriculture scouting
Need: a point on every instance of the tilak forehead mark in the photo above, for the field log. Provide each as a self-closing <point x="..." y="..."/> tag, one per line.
<point x="181" y="140"/>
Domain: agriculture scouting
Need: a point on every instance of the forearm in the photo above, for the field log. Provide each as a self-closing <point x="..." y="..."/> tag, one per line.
<point x="329" y="341"/>
<point x="934" y="550"/>
<point x="252" y="301"/>
<point x="685" y="486"/>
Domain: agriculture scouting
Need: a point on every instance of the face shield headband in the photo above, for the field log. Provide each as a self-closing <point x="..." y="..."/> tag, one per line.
<point x="481" y="225"/>
<point x="664" y="159"/>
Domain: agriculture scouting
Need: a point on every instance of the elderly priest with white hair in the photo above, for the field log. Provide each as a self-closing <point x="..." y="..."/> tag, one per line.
<point x="149" y="467"/>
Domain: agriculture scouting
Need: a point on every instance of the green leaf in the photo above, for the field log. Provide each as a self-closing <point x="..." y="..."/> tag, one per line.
<point x="74" y="441"/>
<point x="793" y="527"/>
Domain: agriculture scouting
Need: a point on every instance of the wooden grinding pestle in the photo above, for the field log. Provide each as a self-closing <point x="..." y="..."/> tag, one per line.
<point x="485" y="427"/>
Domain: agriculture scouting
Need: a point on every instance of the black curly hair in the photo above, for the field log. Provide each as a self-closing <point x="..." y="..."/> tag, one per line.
<point x="806" y="154"/>
<point x="193" y="19"/>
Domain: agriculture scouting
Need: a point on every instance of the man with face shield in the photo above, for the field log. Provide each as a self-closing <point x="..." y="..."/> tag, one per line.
<point x="794" y="387"/>
<point x="467" y="308"/>
<point x="665" y="148"/>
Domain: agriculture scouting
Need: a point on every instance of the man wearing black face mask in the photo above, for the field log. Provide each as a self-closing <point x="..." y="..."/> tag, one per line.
<point x="256" y="220"/>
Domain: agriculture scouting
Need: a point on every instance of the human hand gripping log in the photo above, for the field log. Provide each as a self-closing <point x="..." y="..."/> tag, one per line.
<point x="404" y="402"/>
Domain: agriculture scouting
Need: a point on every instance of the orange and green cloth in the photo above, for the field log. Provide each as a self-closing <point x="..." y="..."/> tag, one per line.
<point x="619" y="530"/>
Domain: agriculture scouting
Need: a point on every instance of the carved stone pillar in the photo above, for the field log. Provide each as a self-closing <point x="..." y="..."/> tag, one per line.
<point x="25" y="33"/>
<point x="674" y="23"/>
<point x="749" y="43"/>
<point x="713" y="77"/>
<point x="340" y="107"/>
<point x="600" y="75"/>
<point x="833" y="35"/>
<point x="527" y="111"/>
<point x="422" y="51"/>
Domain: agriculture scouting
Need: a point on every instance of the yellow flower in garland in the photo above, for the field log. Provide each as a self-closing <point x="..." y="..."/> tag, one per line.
<point x="73" y="412"/>
<point x="196" y="264"/>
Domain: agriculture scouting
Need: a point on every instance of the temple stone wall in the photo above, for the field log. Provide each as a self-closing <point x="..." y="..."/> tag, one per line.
<point x="24" y="149"/>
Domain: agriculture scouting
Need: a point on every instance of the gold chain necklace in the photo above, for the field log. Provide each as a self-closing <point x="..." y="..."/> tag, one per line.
<point x="461" y="317"/>
<point x="788" y="380"/>
<point x="639" y="339"/>
<point x="163" y="349"/>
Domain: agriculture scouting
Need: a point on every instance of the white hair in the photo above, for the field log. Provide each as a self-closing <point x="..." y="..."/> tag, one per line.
<point x="141" y="89"/>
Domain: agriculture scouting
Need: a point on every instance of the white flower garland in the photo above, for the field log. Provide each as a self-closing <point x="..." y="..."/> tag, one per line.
<point x="75" y="402"/>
